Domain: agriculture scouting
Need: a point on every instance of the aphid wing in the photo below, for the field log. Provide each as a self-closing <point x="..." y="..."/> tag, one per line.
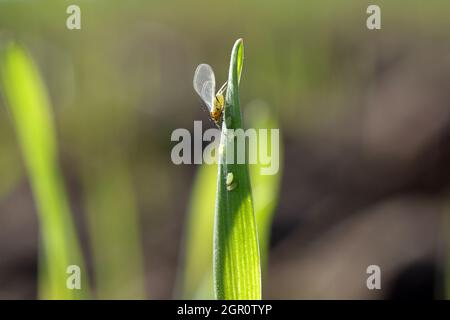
<point x="205" y="84"/>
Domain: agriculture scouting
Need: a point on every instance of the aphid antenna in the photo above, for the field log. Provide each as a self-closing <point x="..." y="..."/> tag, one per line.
<point x="222" y="88"/>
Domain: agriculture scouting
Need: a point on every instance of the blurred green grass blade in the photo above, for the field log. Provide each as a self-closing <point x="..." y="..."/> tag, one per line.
<point x="29" y="105"/>
<point x="196" y="276"/>
<point x="265" y="187"/>
<point x="114" y="231"/>
<point x="237" y="270"/>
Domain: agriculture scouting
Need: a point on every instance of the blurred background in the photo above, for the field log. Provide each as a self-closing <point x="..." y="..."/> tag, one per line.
<point x="364" y="117"/>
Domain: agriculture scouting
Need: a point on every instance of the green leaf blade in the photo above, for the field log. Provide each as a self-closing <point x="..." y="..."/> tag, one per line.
<point x="237" y="269"/>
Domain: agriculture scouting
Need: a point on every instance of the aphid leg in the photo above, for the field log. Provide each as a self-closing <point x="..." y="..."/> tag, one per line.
<point x="219" y="121"/>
